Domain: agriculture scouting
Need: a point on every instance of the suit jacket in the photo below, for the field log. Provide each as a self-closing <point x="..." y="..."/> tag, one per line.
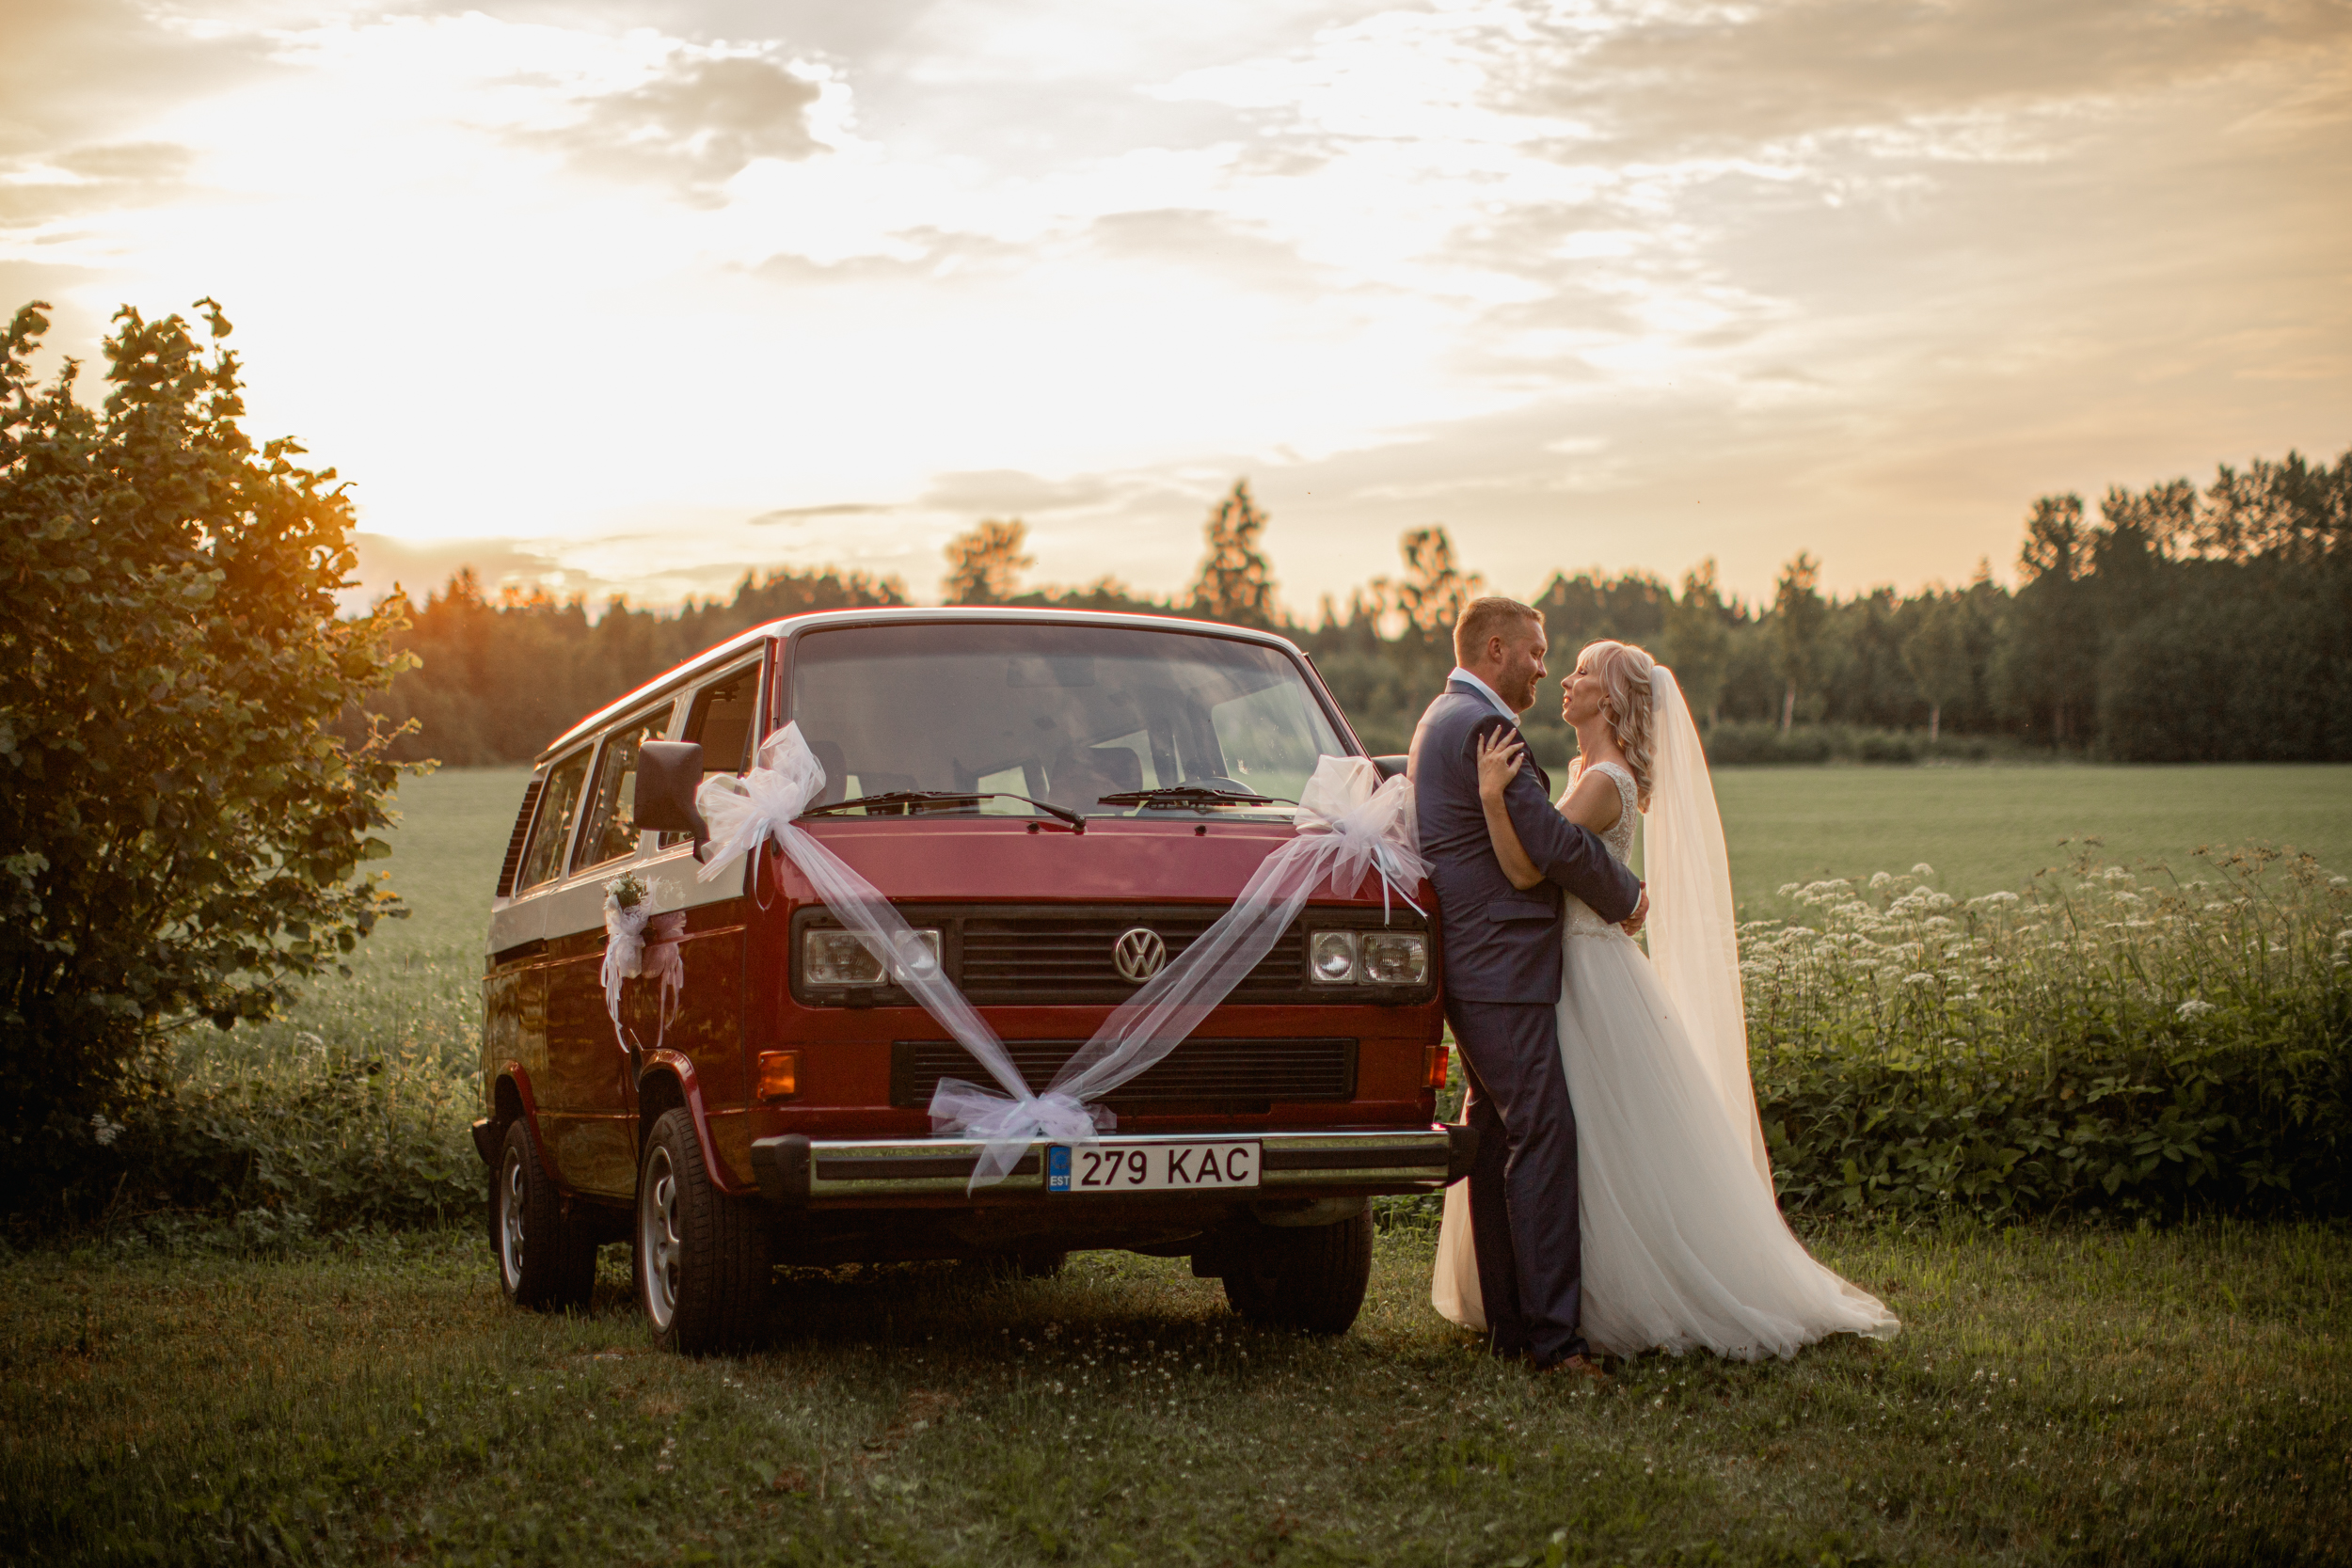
<point x="1501" y="944"/>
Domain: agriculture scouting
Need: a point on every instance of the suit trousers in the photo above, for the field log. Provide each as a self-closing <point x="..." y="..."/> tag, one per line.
<point x="1524" y="1214"/>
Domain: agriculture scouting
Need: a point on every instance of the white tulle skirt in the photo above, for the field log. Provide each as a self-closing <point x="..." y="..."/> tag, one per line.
<point x="1684" y="1245"/>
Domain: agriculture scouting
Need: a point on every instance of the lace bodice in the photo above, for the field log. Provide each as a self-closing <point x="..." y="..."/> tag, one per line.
<point x="1619" y="838"/>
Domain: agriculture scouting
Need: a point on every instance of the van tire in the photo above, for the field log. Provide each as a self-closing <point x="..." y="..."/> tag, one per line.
<point x="702" y="1260"/>
<point x="1307" y="1277"/>
<point x="547" y="1258"/>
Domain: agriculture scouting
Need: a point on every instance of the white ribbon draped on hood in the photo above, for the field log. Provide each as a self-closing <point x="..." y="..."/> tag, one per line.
<point x="1350" y="825"/>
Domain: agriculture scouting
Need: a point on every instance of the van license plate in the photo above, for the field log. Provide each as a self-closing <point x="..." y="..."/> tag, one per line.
<point x="1171" y="1167"/>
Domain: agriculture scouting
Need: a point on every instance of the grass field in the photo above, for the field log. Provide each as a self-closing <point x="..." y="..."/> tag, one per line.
<point x="1982" y="827"/>
<point x="2055" y="1397"/>
<point x="2058" y="1394"/>
<point x="1989" y="828"/>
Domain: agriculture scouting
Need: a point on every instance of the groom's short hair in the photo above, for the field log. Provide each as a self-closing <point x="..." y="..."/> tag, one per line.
<point x="1493" y="616"/>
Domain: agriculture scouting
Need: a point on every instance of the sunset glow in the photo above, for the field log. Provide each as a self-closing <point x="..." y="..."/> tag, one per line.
<point x="631" y="299"/>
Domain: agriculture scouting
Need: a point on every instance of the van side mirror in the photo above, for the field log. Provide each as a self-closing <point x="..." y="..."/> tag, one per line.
<point x="668" y="773"/>
<point x="1391" y="766"/>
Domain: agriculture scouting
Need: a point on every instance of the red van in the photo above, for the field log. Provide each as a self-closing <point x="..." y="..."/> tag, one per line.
<point x="1062" y="802"/>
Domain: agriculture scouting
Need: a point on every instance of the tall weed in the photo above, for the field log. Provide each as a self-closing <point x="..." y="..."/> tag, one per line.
<point x="2109" y="1042"/>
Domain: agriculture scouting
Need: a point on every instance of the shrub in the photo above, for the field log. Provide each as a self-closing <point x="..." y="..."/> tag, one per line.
<point x="180" y="834"/>
<point x="2105" y="1043"/>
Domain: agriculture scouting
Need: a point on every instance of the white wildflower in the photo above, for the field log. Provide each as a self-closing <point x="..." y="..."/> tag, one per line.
<point x="1789" y="889"/>
<point x="1923" y="869"/>
<point x="2192" y="1010"/>
<point x="1992" y="900"/>
<point x="105" y="1132"/>
<point x="2115" y="874"/>
<point x="1919" y="977"/>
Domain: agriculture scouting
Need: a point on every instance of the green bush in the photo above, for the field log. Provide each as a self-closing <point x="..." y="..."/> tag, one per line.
<point x="1732" y="743"/>
<point x="2106" y="1044"/>
<point x="181" y="837"/>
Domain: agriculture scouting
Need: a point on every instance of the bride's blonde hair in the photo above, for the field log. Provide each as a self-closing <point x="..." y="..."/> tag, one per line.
<point x="1625" y="684"/>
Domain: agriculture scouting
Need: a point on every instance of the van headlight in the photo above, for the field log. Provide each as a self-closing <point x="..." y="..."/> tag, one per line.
<point x="1368" y="958"/>
<point x="830" y="958"/>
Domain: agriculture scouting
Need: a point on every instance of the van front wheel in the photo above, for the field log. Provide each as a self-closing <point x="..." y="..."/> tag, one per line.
<point x="702" y="1258"/>
<point x="1310" y="1277"/>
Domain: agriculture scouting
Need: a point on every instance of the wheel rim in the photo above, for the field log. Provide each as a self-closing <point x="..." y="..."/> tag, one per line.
<point x="658" y="1236"/>
<point x="511" y="1179"/>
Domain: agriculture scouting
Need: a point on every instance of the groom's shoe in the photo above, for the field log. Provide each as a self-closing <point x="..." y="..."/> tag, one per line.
<point x="1573" y="1366"/>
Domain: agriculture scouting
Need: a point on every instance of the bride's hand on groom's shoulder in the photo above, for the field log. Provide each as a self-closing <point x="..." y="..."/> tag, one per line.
<point x="1633" y="924"/>
<point x="1498" y="755"/>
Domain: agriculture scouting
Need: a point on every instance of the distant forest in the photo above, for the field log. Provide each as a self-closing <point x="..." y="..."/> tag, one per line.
<point x="2182" y="625"/>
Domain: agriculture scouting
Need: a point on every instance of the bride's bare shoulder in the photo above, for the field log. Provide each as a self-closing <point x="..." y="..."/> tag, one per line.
<point x="1592" y="800"/>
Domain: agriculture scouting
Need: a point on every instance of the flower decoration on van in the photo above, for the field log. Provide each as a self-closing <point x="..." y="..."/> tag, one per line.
<point x="629" y="919"/>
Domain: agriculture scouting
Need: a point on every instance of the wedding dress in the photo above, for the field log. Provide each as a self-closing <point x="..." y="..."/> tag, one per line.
<point x="1684" y="1245"/>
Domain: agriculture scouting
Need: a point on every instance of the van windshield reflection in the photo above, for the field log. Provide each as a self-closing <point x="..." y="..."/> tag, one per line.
<point x="1102" y="721"/>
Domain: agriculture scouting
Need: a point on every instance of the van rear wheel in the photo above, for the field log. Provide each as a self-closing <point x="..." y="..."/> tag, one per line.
<point x="702" y="1258"/>
<point x="547" y="1258"/>
<point x="1311" y="1277"/>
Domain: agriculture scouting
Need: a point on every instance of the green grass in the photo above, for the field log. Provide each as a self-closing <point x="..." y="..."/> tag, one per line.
<point x="1982" y="827"/>
<point x="1985" y="829"/>
<point x="2055" y="1397"/>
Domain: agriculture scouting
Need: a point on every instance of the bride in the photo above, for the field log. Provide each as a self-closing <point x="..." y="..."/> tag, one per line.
<point x="1684" y="1245"/>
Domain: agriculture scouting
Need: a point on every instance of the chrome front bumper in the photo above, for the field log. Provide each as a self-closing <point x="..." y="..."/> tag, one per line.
<point x="798" y="1172"/>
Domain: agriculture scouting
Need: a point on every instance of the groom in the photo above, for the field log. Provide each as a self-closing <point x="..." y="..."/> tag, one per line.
<point x="1502" y="963"/>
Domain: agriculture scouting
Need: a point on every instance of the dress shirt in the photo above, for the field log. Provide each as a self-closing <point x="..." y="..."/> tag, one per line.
<point x="1484" y="691"/>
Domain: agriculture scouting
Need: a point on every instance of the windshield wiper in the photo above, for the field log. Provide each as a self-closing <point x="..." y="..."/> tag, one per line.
<point x="913" y="799"/>
<point x="1190" y="795"/>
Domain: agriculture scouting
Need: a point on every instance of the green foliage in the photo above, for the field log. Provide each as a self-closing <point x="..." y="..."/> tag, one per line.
<point x="984" y="566"/>
<point x="2109" y="1044"/>
<point x="1236" y="584"/>
<point x="494" y="680"/>
<point x="183" y="835"/>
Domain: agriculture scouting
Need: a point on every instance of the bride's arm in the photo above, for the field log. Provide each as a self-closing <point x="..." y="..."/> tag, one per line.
<point x="1497" y="759"/>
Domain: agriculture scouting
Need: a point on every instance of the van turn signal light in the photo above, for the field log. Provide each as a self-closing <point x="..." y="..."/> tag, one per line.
<point x="1435" y="1066"/>
<point x="779" y="1074"/>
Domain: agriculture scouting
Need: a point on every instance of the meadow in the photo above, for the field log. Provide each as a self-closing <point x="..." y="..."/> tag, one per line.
<point x="2176" y="1396"/>
<point x="318" y="1379"/>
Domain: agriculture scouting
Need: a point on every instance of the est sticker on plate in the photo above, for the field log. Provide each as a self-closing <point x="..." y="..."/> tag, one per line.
<point x="1156" y="1167"/>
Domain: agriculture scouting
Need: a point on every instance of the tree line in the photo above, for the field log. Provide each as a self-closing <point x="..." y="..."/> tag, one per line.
<point x="2181" y="623"/>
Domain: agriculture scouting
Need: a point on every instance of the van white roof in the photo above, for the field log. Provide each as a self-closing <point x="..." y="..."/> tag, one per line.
<point x="900" y="615"/>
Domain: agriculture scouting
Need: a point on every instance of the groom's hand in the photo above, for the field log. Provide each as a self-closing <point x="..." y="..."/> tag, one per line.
<point x="1632" y="922"/>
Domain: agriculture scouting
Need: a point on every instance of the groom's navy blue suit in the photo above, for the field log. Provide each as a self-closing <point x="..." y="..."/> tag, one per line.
<point x="1503" y="962"/>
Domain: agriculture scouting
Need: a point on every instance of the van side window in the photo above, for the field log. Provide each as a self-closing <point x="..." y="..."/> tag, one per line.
<point x="722" y="720"/>
<point x="559" y="804"/>
<point x="611" y="831"/>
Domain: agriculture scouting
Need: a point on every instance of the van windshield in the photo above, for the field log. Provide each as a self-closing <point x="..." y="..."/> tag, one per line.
<point x="1062" y="714"/>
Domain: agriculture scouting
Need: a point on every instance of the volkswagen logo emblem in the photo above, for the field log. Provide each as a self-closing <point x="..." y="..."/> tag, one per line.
<point x="1139" y="954"/>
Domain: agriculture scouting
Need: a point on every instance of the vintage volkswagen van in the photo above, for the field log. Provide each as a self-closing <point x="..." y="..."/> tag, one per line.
<point x="1062" y="802"/>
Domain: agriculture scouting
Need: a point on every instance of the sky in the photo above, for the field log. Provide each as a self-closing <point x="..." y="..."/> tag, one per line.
<point x="635" y="297"/>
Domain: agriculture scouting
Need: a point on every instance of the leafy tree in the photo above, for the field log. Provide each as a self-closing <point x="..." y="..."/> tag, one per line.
<point x="2049" y="664"/>
<point x="1696" y="641"/>
<point x="184" y="834"/>
<point x="1935" y="653"/>
<point x="1237" y="583"/>
<point x="1435" y="589"/>
<point x="984" y="566"/>
<point x="1798" y="618"/>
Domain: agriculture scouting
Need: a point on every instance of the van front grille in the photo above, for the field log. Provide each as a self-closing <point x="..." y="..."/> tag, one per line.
<point x="1065" y="955"/>
<point x="1234" y="1077"/>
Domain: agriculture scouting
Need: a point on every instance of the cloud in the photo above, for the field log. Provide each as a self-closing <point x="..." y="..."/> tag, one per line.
<point x="796" y="515"/>
<point x="1007" y="492"/>
<point x="697" y="124"/>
